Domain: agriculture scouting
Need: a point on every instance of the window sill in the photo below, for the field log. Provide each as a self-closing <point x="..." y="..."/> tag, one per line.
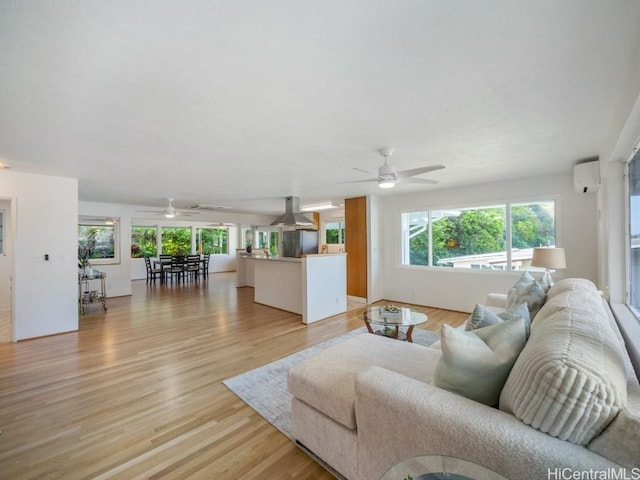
<point x="630" y="329"/>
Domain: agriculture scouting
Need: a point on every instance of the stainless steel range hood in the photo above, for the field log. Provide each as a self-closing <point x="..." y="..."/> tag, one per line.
<point x="292" y="215"/>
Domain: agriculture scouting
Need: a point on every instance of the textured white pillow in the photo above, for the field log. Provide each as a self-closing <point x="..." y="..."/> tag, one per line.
<point x="570" y="380"/>
<point x="476" y="364"/>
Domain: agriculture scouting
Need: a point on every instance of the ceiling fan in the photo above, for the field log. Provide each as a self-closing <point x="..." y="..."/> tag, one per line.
<point x="170" y="211"/>
<point x="221" y="225"/>
<point x="387" y="176"/>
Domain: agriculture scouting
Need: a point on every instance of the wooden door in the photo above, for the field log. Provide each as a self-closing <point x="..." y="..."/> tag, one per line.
<point x="355" y="220"/>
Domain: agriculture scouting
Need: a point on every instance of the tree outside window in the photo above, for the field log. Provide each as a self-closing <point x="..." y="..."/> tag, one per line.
<point x="144" y="242"/>
<point x="96" y="242"/>
<point x="477" y="237"/>
<point x="176" y="240"/>
<point x="467" y="232"/>
<point x="334" y="232"/>
<point x="212" y="241"/>
<point x="269" y="240"/>
<point x="416" y="236"/>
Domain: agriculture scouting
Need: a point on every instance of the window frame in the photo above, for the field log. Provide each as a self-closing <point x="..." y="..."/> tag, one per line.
<point x="191" y="244"/>
<point x="2" y="230"/>
<point x="198" y="241"/>
<point x="341" y="231"/>
<point x="114" y="223"/>
<point x="155" y="227"/>
<point x="635" y="155"/>
<point x="508" y="204"/>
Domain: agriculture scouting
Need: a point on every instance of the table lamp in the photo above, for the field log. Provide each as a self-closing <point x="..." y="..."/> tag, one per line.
<point x="550" y="258"/>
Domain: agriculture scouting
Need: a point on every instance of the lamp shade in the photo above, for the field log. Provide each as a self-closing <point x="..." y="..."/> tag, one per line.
<point x="548" y="257"/>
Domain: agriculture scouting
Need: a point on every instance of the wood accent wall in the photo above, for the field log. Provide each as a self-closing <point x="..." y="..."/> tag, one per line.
<point x="355" y="220"/>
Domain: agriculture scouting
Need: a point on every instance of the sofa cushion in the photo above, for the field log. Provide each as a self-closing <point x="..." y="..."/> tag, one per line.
<point x="476" y="363"/>
<point x="483" y="316"/>
<point x="620" y="441"/>
<point x="526" y="289"/>
<point x="570" y="380"/>
<point x="325" y="381"/>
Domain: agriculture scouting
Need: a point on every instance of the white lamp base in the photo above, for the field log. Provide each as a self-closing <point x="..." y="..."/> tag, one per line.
<point x="546" y="278"/>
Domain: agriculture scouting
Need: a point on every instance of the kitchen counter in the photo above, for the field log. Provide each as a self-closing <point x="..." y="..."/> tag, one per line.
<point x="314" y="286"/>
<point x="273" y="259"/>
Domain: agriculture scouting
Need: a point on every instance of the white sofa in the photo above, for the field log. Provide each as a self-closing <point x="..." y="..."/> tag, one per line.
<point x="571" y="400"/>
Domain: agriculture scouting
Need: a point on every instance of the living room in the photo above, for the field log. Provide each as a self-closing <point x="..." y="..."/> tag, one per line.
<point x="530" y="157"/>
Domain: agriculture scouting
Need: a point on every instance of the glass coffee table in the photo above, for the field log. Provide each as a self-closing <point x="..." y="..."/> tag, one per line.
<point x="439" y="467"/>
<point x="381" y="322"/>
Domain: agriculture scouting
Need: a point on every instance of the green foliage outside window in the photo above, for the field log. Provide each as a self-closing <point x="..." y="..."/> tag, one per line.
<point x="176" y="240"/>
<point x="144" y="242"/>
<point x="471" y="232"/>
<point x="533" y="225"/>
<point x="212" y="240"/>
<point x="95" y="241"/>
<point x="334" y="232"/>
<point x="269" y="240"/>
<point x="478" y="231"/>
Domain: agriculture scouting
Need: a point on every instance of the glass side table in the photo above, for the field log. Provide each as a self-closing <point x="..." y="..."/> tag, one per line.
<point x="390" y="325"/>
<point x="439" y="467"/>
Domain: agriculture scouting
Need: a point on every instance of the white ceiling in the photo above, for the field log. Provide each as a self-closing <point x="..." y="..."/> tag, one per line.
<point x="241" y="103"/>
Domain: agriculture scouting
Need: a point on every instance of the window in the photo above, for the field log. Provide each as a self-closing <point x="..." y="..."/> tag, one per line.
<point x="97" y="242"/>
<point x="532" y="225"/>
<point x="633" y="259"/>
<point x="144" y="242"/>
<point x="478" y="237"/>
<point x="176" y="240"/>
<point x="212" y="240"/>
<point x="334" y="232"/>
<point x="269" y="240"/>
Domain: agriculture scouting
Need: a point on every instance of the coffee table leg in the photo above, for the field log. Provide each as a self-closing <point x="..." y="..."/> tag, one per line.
<point x="368" y="326"/>
<point x="409" y="332"/>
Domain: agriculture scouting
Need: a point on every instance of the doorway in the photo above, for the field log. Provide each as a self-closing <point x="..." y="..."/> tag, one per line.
<point x="6" y="269"/>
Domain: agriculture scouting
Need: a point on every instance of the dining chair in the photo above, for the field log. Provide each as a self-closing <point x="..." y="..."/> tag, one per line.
<point x="204" y="266"/>
<point x="193" y="266"/>
<point x="152" y="273"/>
<point x="176" y="268"/>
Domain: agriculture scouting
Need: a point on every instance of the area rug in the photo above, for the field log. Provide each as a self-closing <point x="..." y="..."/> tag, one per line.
<point x="265" y="388"/>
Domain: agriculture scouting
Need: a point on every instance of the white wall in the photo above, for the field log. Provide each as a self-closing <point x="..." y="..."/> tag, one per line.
<point x="45" y="222"/>
<point x="375" y="277"/>
<point x="461" y="289"/>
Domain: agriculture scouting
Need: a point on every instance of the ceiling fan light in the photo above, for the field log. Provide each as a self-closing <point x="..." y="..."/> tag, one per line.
<point x="170" y="215"/>
<point x="386" y="183"/>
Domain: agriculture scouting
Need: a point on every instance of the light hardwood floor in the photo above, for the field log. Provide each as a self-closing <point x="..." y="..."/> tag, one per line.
<point x="137" y="392"/>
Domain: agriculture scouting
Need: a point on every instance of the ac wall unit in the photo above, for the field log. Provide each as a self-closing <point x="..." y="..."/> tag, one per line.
<point x="586" y="177"/>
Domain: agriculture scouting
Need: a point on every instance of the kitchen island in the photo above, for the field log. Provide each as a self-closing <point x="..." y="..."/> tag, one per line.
<point x="314" y="286"/>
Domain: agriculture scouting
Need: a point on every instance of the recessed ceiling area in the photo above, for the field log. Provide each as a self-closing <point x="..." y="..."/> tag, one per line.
<point x="240" y="104"/>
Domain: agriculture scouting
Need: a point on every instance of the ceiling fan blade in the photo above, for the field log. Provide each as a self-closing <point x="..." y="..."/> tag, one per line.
<point x="423" y="181"/>
<point x="361" y="181"/>
<point x="367" y="172"/>
<point x="418" y="171"/>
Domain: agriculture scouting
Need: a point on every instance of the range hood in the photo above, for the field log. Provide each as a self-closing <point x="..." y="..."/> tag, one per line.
<point x="292" y="215"/>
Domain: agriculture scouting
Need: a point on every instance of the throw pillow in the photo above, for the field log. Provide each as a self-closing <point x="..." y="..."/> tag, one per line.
<point x="476" y="364"/>
<point x="526" y="289"/>
<point x="483" y="317"/>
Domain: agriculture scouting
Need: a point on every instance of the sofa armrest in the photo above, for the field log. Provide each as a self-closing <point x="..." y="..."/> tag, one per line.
<point x="398" y="417"/>
<point x="496" y="300"/>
